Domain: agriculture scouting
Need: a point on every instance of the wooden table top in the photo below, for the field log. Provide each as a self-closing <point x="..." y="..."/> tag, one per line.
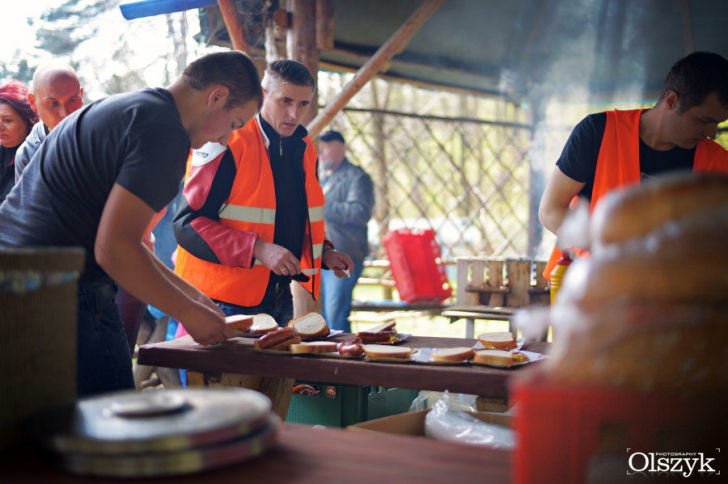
<point x="306" y="454"/>
<point x="238" y="356"/>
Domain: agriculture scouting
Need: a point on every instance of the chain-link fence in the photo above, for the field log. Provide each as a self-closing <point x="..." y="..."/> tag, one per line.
<point x="467" y="178"/>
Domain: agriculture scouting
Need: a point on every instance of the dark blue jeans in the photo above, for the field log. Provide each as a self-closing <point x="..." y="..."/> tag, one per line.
<point x="103" y="356"/>
<point x="336" y="297"/>
<point x="279" y="304"/>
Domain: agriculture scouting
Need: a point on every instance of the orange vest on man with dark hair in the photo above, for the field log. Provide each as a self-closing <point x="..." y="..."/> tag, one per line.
<point x="251" y="207"/>
<point x="618" y="164"/>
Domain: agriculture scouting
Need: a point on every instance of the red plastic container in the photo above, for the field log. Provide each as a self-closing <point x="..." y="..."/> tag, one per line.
<point x="573" y="434"/>
<point x="417" y="267"/>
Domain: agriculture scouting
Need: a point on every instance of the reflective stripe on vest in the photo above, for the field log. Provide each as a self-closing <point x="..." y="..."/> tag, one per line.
<point x="618" y="164"/>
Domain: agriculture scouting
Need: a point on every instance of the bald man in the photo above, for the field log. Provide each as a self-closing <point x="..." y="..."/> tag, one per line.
<point x="56" y="93"/>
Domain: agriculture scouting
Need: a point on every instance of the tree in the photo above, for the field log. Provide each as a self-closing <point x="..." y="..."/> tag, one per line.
<point x="109" y="53"/>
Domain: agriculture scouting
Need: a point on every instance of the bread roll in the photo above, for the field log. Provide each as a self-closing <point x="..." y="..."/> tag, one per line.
<point x="493" y="358"/>
<point x="638" y="209"/>
<point x="314" y="347"/>
<point x="263" y="323"/>
<point x="682" y="261"/>
<point x="311" y="325"/>
<point x="383" y="352"/>
<point x="239" y="323"/>
<point x="646" y="347"/>
<point x="452" y="355"/>
<point x="497" y="341"/>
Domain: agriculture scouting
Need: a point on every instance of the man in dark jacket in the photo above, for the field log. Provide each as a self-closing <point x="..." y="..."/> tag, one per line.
<point x="348" y="208"/>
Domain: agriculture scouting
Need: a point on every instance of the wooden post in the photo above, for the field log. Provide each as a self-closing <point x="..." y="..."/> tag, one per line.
<point x="495" y="281"/>
<point x="302" y="48"/>
<point x="233" y="25"/>
<point x="519" y="282"/>
<point x="540" y="291"/>
<point x="378" y="63"/>
<point x="302" y="43"/>
<point x="477" y="280"/>
<point x="324" y="25"/>
<point x="276" y="27"/>
<point x="462" y="281"/>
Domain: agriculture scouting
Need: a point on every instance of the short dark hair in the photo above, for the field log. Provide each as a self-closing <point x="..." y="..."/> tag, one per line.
<point x="290" y="71"/>
<point x="15" y="95"/>
<point x="233" y="69"/>
<point x="697" y="75"/>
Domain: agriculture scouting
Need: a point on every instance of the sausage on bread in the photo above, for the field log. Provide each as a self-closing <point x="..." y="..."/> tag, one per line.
<point x="381" y="333"/>
<point x="279" y="340"/>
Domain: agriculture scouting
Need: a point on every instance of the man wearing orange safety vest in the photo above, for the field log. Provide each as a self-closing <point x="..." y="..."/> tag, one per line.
<point x="251" y="218"/>
<point x="617" y="148"/>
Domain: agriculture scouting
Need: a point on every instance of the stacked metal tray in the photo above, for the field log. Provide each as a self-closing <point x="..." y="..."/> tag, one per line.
<point x="158" y="433"/>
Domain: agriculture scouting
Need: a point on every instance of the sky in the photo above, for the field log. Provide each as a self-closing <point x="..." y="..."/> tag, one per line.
<point x="15" y="28"/>
<point x="148" y="40"/>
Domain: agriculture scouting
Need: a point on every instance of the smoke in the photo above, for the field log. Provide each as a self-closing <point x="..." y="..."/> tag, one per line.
<point x="582" y="56"/>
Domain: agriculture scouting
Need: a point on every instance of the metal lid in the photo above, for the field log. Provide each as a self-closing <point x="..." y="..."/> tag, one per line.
<point x="178" y="462"/>
<point x="131" y="422"/>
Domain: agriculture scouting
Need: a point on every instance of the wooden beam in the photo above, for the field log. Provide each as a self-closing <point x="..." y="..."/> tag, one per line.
<point x="276" y="31"/>
<point x="378" y="62"/>
<point x="324" y="25"/>
<point x="233" y="25"/>
<point x="302" y="42"/>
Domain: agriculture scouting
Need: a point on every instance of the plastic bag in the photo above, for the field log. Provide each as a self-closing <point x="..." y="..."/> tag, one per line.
<point x="446" y="423"/>
<point x="457" y="401"/>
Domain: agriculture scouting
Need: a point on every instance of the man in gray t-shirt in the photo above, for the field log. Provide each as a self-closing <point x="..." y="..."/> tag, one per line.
<point x="99" y="181"/>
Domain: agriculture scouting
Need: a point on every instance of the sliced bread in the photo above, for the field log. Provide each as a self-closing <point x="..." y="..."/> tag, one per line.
<point x="494" y="358"/>
<point x="497" y="341"/>
<point x="263" y="323"/>
<point x="384" y="352"/>
<point x="450" y="355"/>
<point x="239" y="324"/>
<point x="314" y="347"/>
<point x="311" y="325"/>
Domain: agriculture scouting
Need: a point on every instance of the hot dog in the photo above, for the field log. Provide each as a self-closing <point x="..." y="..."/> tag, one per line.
<point x="381" y="333"/>
<point x="351" y="349"/>
<point x="280" y="339"/>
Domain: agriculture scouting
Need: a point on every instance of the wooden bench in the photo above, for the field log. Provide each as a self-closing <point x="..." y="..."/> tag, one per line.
<point x="493" y="289"/>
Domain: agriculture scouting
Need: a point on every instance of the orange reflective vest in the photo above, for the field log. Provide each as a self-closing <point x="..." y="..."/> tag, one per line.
<point x="618" y="163"/>
<point x="251" y="207"/>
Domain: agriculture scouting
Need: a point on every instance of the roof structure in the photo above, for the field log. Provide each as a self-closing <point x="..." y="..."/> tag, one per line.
<point x="520" y="48"/>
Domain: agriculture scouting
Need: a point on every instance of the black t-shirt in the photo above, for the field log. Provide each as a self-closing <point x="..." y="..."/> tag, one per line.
<point x="135" y="139"/>
<point x="579" y="158"/>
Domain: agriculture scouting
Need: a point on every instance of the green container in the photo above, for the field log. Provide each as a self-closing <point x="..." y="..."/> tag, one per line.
<point x="335" y="405"/>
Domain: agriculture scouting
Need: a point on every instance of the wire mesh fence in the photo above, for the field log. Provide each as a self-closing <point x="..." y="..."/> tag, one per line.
<point x="463" y="177"/>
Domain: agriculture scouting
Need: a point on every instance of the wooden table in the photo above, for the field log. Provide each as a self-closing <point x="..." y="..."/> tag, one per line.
<point x="216" y="364"/>
<point x="306" y="454"/>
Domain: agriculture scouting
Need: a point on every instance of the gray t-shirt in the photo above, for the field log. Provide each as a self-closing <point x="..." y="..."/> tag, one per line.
<point x="134" y="139"/>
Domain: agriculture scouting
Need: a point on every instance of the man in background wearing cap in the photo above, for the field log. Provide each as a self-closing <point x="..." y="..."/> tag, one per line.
<point x="349" y="202"/>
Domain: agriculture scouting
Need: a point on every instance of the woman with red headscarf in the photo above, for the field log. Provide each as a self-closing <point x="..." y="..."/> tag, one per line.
<point x="16" y="120"/>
